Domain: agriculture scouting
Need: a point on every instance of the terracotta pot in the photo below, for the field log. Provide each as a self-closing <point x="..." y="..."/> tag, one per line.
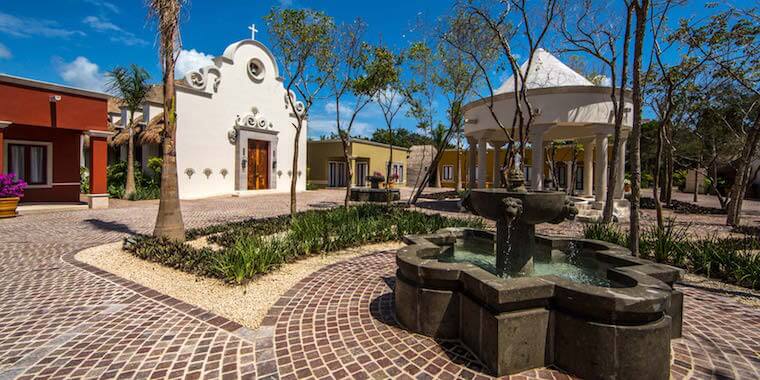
<point x="627" y="187"/>
<point x="8" y="207"/>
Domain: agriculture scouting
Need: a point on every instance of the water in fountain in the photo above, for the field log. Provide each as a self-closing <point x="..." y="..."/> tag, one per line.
<point x="576" y="268"/>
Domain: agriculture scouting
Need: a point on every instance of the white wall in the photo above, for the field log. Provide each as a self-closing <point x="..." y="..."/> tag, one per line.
<point x="204" y="120"/>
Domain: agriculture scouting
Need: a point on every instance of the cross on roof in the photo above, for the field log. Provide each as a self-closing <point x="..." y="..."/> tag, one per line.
<point x="253" y="30"/>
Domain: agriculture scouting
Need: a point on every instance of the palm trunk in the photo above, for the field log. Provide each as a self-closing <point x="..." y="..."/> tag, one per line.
<point x="129" y="189"/>
<point x="635" y="155"/>
<point x="169" y="223"/>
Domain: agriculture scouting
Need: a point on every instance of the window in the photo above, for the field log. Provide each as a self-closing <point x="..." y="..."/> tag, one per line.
<point x="29" y="162"/>
<point x="336" y="172"/>
<point x="398" y="169"/>
<point x="448" y="172"/>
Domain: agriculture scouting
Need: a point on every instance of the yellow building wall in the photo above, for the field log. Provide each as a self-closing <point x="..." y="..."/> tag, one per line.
<point x="379" y="156"/>
<point x="319" y="153"/>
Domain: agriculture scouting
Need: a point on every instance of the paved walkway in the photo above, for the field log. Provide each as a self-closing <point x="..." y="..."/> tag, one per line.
<point x="62" y="319"/>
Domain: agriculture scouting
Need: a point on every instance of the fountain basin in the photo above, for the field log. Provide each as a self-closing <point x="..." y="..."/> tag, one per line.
<point x="514" y="324"/>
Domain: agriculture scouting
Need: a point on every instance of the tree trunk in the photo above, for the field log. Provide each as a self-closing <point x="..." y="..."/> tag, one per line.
<point x="667" y="191"/>
<point x="459" y="161"/>
<point x="169" y="223"/>
<point x="617" y="141"/>
<point x="349" y="172"/>
<point x="294" y="176"/>
<point x="696" y="185"/>
<point x="635" y="155"/>
<point x="388" y="169"/>
<point x="742" y="174"/>
<point x="656" y="177"/>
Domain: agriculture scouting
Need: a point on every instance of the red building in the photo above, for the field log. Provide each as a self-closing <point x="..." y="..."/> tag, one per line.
<point x="42" y="129"/>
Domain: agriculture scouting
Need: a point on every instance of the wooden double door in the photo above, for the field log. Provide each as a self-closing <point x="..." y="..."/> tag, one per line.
<point x="258" y="165"/>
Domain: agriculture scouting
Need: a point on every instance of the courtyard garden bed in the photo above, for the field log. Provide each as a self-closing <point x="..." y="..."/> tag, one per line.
<point x="734" y="260"/>
<point x="253" y="247"/>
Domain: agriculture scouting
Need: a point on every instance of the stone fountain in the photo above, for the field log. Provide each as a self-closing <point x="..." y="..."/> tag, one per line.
<point x="518" y="300"/>
<point x="516" y="212"/>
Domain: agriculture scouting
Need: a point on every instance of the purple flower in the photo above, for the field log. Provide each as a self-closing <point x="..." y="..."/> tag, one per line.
<point x="11" y="187"/>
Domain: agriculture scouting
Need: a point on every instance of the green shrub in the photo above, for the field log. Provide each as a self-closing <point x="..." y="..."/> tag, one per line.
<point x="248" y="257"/>
<point x="666" y="244"/>
<point x="84" y="180"/>
<point x="608" y="232"/>
<point x="142" y="193"/>
<point x="146" y="186"/>
<point x="253" y="247"/>
<point x="172" y="254"/>
<point x="733" y="260"/>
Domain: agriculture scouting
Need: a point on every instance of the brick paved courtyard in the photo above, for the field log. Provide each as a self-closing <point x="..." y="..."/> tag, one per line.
<point x="63" y="319"/>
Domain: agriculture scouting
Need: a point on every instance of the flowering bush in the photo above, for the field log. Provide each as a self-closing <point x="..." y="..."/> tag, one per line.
<point x="11" y="187"/>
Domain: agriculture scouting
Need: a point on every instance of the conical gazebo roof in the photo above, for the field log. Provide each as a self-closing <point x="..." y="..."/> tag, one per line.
<point x="545" y="71"/>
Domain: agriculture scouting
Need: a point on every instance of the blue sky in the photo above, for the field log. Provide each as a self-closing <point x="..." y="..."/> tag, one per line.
<point x="75" y="41"/>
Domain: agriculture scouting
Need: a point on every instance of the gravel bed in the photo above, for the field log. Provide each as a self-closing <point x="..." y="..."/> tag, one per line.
<point x="245" y="304"/>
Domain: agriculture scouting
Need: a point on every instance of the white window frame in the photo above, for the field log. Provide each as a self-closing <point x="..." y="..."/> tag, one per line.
<point x="399" y="166"/>
<point x="49" y="153"/>
<point x="447" y="169"/>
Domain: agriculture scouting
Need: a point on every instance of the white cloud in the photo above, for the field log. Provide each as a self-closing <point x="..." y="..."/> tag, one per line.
<point x="5" y="53"/>
<point x="286" y="3"/>
<point x="189" y="60"/>
<point x="81" y="72"/>
<point x="105" y="5"/>
<point x="122" y="36"/>
<point x="27" y="27"/>
<point x="100" y="24"/>
<point x="344" y="109"/>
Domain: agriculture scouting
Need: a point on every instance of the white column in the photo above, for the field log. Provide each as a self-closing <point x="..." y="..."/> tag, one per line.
<point x="482" y="162"/>
<point x="496" y="163"/>
<point x="619" y="185"/>
<point x="588" y="167"/>
<point x="537" y="166"/>
<point x="600" y="167"/>
<point x="471" y="161"/>
<point x="568" y="174"/>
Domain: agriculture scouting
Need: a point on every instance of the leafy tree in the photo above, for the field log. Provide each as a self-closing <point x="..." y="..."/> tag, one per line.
<point x="350" y="77"/>
<point x="303" y="41"/>
<point x="391" y="99"/>
<point x="729" y="41"/>
<point x="169" y="223"/>
<point x="131" y="86"/>
<point x="401" y="137"/>
<point x="588" y="34"/>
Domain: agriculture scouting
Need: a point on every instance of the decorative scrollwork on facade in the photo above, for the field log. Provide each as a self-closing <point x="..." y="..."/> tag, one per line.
<point x="198" y="79"/>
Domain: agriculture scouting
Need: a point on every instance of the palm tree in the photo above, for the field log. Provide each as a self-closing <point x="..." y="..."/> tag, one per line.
<point x="169" y="222"/>
<point x="131" y="85"/>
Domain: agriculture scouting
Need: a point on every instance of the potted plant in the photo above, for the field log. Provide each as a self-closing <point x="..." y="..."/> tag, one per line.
<point x="392" y="181"/>
<point x="627" y="185"/>
<point x="11" y="191"/>
<point x="375" y="179"/>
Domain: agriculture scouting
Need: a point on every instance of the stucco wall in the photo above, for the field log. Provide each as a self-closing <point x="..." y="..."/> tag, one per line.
<point x="319" y="154"/>
<point x="205" y="119"/>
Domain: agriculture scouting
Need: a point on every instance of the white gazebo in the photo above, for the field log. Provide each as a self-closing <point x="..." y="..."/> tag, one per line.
<point x="567" y="107"/>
